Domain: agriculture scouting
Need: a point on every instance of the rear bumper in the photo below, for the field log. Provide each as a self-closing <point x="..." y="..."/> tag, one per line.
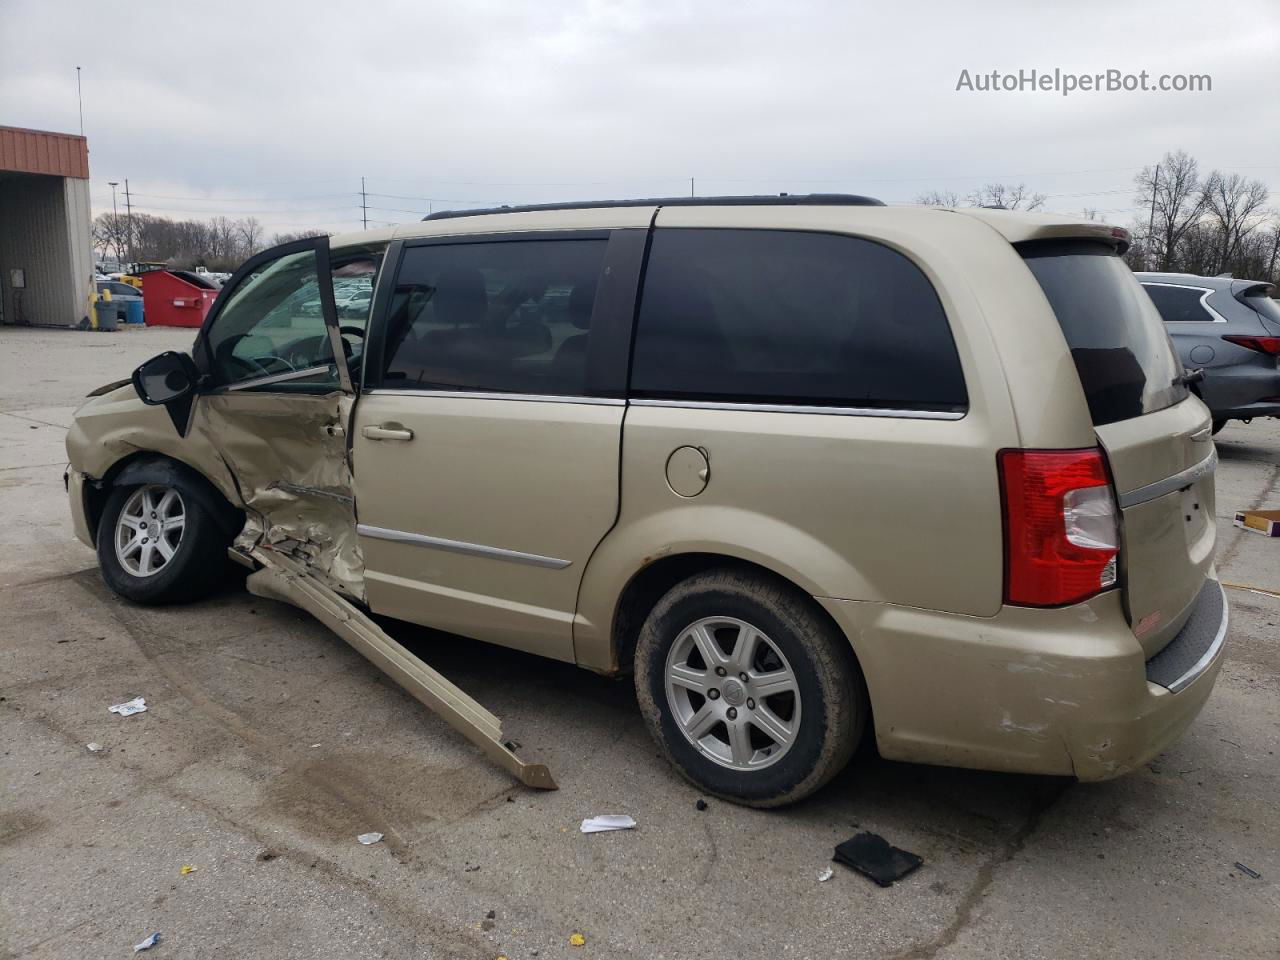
<point x="1062" y="692"/>
<point x="1245" y="389"/>
<point x="1247" y="412"/>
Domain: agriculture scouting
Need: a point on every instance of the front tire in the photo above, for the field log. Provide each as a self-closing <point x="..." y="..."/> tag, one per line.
<point x="1218" y="425"/>
<point x="158" y="545"/>
<point x="751" y="694"/>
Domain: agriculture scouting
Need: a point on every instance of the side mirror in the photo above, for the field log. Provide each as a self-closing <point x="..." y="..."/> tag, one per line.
<point x="165" y="378"/>
<point x="169" y="379"/>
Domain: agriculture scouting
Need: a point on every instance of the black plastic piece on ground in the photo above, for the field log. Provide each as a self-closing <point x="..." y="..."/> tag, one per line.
<point x="701" y="805"/>
<point x="872" y="856"/>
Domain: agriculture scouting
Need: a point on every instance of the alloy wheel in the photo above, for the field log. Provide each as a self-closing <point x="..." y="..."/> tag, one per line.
<point x="733" y="694"/>
<point x="149" y="530"/>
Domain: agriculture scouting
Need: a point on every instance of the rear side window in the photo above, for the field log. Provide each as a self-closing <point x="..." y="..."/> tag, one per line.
<point x="791" y="318"/>
<point x="1178" y="304"/>
<point x="506" y="317"/>
<point x="1122" y="353"/>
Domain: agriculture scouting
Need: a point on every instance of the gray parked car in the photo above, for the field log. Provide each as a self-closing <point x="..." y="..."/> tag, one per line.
<point x="121" y="293"/>
<point x="1230" y="329"/>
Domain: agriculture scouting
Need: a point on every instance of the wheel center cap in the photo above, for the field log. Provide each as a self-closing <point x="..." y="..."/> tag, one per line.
<point x="734" y="692"/>
<point x="153" y="528"/>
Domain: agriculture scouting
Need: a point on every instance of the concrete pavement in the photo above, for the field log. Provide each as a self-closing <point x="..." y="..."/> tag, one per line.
<point x="268" y="746"/>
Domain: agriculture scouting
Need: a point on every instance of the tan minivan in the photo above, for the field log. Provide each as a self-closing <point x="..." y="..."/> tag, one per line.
<point x="806" y="465"/>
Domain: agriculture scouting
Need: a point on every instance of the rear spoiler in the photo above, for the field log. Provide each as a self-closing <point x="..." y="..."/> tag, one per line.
<point x="1019" y="226"/>
<point x="1252" y="288"/>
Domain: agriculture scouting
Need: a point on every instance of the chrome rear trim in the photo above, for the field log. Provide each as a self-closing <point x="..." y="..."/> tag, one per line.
<point x="460" y="546"/>
<point x="1153" y="491"/>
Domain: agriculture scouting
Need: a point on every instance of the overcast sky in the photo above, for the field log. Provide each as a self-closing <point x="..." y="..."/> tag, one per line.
<point x="276" y="109"/>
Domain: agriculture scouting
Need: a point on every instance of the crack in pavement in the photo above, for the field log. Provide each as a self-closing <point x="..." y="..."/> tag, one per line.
<point x="982" y="883"/>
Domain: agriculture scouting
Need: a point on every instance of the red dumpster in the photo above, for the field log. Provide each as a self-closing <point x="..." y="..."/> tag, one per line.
<point x="176" y="298"/>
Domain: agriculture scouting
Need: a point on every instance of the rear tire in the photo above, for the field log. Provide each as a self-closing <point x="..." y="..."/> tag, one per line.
<point x="768" y="740"/>
<point x="158" y="545"/>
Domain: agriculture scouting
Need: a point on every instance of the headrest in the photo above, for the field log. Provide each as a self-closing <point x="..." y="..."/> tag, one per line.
<point x="580" y="302"/>
<point x="460" y="297"/>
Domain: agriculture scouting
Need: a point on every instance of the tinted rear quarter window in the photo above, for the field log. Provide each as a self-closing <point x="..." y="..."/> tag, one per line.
<point x="762" y="316"/>
<point x="1122" y="353"/>
<point x="1178" y="304"/>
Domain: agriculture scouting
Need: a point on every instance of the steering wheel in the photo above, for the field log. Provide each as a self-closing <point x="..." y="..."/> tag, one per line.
<point x="254" y="366"/>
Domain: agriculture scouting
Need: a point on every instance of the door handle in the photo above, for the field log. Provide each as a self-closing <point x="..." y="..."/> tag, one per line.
<point x="386" y="432"/>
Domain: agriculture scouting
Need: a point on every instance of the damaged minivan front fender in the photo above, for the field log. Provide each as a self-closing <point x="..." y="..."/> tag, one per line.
<point x="271" y="465"/>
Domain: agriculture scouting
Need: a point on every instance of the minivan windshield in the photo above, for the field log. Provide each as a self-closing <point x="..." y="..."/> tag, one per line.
<point x="1126" y="362"/>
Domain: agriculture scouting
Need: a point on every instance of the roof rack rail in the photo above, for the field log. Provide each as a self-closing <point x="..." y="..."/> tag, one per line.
<point x="764" y="200"/>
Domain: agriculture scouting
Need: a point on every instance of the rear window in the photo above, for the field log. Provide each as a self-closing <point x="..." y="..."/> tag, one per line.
<point x="776" y="317"/>
<point x="1122" y="353"/>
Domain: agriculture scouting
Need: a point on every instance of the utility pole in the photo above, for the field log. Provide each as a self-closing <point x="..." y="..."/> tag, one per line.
<point x="691" y="186"/>
<point x="128" y="212"/>
<point x="1155" y="182"/>
<point x="80" y="101"/>
<point x="364" y="204"/>
<point x="115" y="219"/>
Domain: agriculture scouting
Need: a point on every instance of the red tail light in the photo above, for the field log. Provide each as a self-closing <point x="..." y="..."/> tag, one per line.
<point x="1269" y="345"/>
<point x="1061" y="534"/>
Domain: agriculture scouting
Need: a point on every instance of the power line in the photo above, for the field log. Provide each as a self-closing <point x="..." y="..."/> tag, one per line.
<point x="315" y="196"/>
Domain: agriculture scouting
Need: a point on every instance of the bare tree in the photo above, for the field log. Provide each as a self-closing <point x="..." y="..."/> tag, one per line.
<point x="1171" y="193"/>
<point x="939" y="198"/>
<point x="1235" y="205"/>
<point x="110" y="232"/>
<point x="223" y="234"/>
<point x="1007" y="196"/>
<point x="250" y="235"/>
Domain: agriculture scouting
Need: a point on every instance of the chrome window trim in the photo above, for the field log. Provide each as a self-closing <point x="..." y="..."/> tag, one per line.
<point x="802" y="408"/>
<point x="278" y="378"/>
<point x="476" y="395"/>
<point x="1206" y="658"/>
<point x="1214" y="315"/>
<point x="460" y="546"/>
<point x="685" y="404"/>
<point x="1185" y="478"/>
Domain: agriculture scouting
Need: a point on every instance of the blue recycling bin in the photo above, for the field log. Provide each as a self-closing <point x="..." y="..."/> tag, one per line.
<point x="133" y="311"/>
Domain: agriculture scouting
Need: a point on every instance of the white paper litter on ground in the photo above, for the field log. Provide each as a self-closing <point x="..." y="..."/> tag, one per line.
<point x="606" y="822"/>
<point x="368" y="838"/>
<point x="94" y="747"/>
<point x="826" y="875"/>
<point x="147" y="944"/>
<point x="136" y="705"/>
